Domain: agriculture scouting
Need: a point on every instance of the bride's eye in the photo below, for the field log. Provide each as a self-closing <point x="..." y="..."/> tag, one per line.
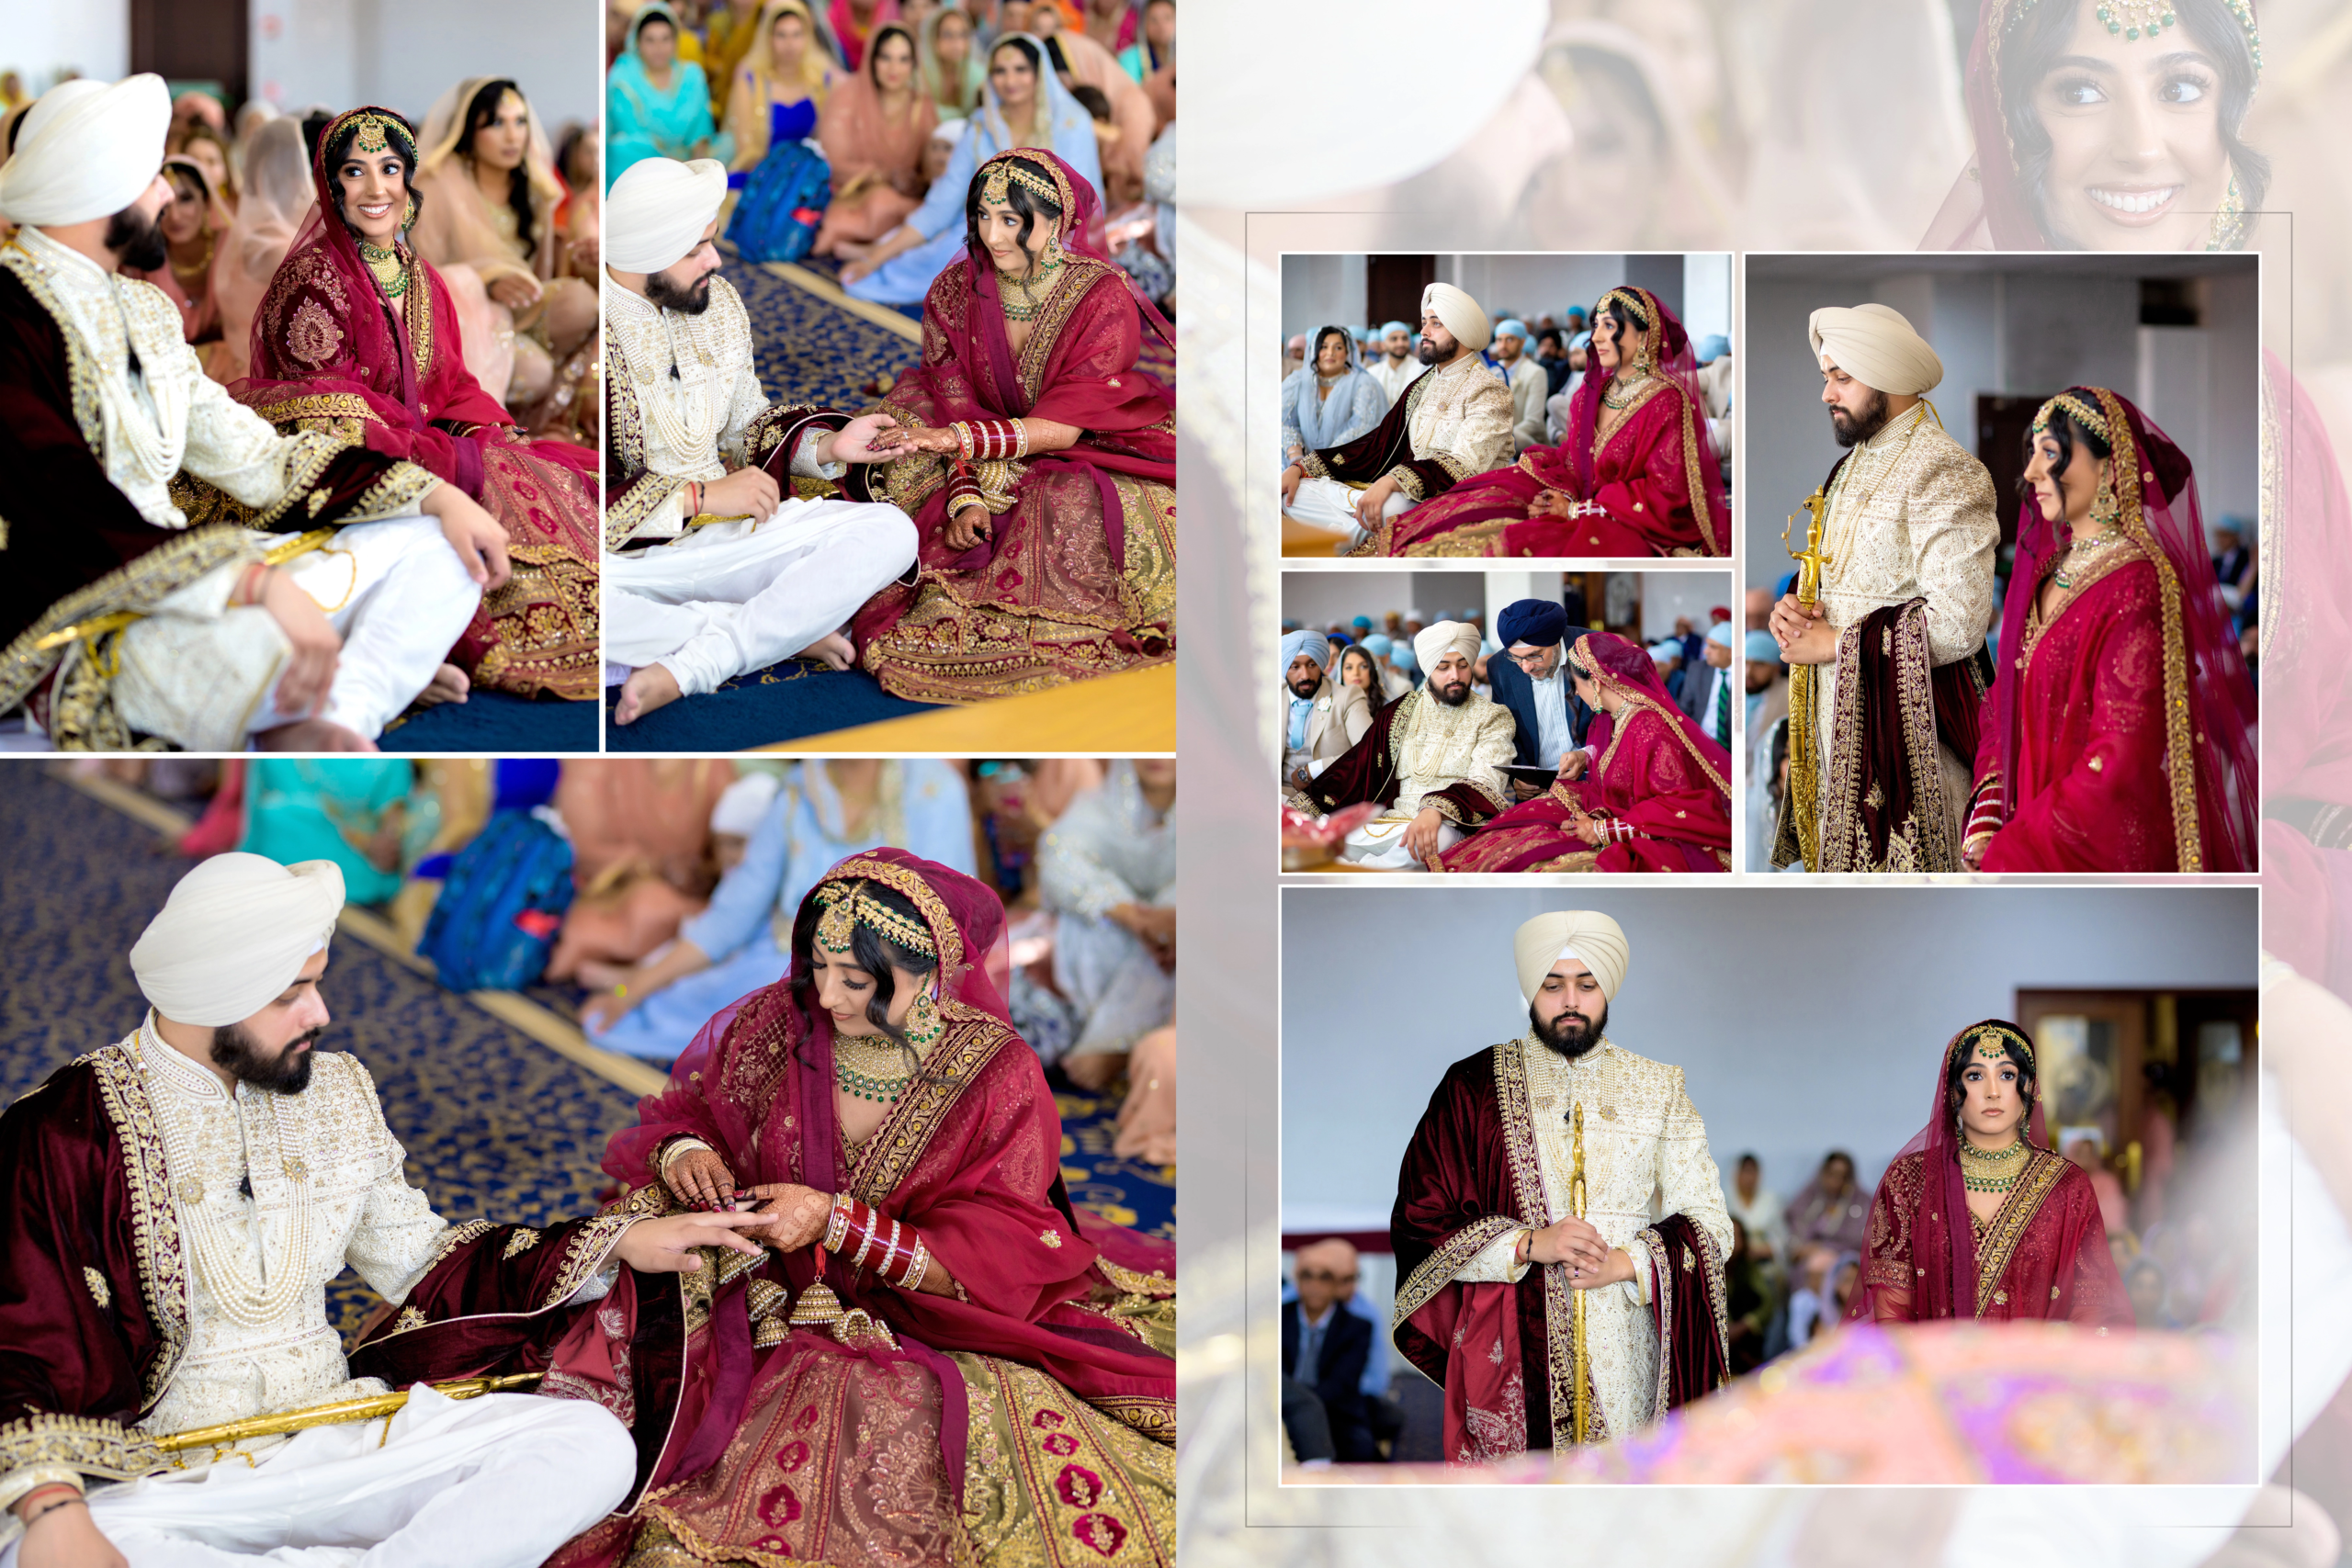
<point x="2188" y="87"/>
<point x="2078" y="92"/>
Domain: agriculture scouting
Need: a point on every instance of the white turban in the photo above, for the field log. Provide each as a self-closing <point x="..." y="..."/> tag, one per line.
<point x="656" y="211"/>
<point x="745" y="805"/>
<point x="87" y="150"/>
<point x="1446" y="637"/>
<point x="233" y="935"/>
<point x="1589" y="937"/>
<point x="1875" y="345"/>
<point x="1460" y="314"/>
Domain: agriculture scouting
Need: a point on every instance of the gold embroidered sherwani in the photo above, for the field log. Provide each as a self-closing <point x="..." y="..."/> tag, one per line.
<point x="1644" y="1156"/>
<point x="1911" y="515"/>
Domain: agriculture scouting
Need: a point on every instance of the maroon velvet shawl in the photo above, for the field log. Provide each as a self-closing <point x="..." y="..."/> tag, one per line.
<point x="971" y="1158"/>
<point x="1893" y="710"/>
<point x="2047" y="1246"/>
<point x="1471" y="1177"/>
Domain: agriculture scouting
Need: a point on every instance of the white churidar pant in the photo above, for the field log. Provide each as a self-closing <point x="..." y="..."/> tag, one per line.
<point x="495" y="1482"/>
<point x="1328" y="504"/>
<point x="731" y="596"/>
<point x="1380" y="843"/>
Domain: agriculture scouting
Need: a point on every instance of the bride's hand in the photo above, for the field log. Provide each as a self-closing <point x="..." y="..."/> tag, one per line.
<point x="699" y="1179"/>
<point x="794" y="1214"/>
<point x="928" y="438"/>
<point x="966" y="528"/>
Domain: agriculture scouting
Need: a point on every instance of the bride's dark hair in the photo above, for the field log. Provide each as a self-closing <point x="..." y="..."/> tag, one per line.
<point x="870" y="951"/>
<point x="2030" y="53"/>
<point x="480" y="113"/>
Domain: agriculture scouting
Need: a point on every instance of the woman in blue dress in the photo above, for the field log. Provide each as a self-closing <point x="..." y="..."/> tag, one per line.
<point x="1025" y="105"/>
<point x="772" y="110"/>
<point x="1330" y="399"/>
<point x="826" y="810"/>
<point x="656" y="105"/>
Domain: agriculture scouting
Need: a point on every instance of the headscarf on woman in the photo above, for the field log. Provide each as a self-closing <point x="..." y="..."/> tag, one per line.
<point x="956" y="90"/>
<point x="852" y="42"/>
<point x="278" y="194"/>
<point x="1665" y="347"/>
<point x="757" y="90"/>
<point x="1616" y="663"/>
<point x="2207" y="695"/>
<point x="641" y="121"/>
<point x="1314" y="418"/>
<point x="457" y="225"/>
<point x="199" y="314"/>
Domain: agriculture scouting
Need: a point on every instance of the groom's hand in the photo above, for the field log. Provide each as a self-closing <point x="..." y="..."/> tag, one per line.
<point x="667" y="1245"/>
<point x="868" y="438"/>
<point x="1571" y="1241"/>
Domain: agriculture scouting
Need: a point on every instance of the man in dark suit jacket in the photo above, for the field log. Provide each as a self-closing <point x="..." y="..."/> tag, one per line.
<point x="1537" y="630"/>
<point x="1327" y="1356"/>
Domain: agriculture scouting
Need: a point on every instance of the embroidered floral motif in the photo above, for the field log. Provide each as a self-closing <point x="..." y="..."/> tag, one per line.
<point x="97" y="1283"/>
<point x="1051" y="1237"/>
<point x="522" y="1241"/>
<point x="313" y="336"/>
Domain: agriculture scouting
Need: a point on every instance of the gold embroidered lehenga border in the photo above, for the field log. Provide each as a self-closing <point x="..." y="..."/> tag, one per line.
<point x="1998" y="1241"/>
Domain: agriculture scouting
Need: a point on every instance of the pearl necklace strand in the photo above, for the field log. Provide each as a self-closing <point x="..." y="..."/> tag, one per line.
<point x="220" y="1258"/>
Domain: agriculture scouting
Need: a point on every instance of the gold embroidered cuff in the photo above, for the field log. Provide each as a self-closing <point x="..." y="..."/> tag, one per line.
<point x="1407" y="482"/>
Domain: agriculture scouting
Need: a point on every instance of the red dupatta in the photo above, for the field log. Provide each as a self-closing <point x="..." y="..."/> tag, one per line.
<point x="327" y="345"/>
<point x="969" y="1155"/>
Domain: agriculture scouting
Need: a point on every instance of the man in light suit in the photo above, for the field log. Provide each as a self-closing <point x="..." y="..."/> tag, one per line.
<point x="1321" y="717"/>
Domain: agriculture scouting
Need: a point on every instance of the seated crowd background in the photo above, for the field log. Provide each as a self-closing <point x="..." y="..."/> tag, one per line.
<point x="835" y="120"/>
<point x="1791" y="1277"/>
<point x="583" y="881"/>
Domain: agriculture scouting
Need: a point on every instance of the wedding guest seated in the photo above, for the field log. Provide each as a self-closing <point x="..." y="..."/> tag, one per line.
<point x="1107" y="872"/>
<point x="773" y="109"/>
<point x="1534" y="684"/>
<point x="1830" y="1212"/>
<point x="1322" y="717"/>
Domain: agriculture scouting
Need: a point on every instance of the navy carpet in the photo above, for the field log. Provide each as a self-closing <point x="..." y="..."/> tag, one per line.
<point x="495" y="1124"/>
<point x="808" y="350"/>
<point x="783" y="702"/>
<point x="495" y="721"/>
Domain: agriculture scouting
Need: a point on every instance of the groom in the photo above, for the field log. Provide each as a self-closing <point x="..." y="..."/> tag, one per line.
<point x="1910" y="532"/>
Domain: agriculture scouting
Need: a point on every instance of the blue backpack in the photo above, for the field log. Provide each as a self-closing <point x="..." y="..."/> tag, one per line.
<point x="496" y="922"/>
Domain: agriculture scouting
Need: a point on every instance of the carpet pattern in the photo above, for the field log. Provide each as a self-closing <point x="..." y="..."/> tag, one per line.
<point x="496" y="1125"/>
<point x="808" y="350"/>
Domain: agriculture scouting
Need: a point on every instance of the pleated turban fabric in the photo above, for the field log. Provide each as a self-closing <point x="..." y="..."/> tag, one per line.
<point x="87" y="150"/>
<point x="1462" y="315"/>
<point x="1589" y="937"/>
<point x="1875" y="345"/>
<point x="1446" y="637"/>
<point x="656" y="211"/>
<point x="233" y="935"/>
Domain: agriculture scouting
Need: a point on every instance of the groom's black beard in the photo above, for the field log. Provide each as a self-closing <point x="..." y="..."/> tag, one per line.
<point x="1569" y="1035"/>
<point x="289" y="1072"/>
<point x="690" y="301"/>
<point x="1853" y="429"/>
<point x="1452" y="697"/>
<point x="138" y="241"/>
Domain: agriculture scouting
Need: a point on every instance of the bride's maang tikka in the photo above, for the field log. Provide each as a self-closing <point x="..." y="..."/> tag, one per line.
<point x="847" y="906"/>
<point x="998" y="187"/>
<point x="2133" y="20"/>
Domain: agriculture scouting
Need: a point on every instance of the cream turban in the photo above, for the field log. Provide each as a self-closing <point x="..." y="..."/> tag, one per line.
<point x="1876" y="346"/>
<point x="1460" y="314"/>
<point x="87" y="150"/>
<point x="744" y="805"/>
<point x="1446" y="637"/>
<point x="1592" y="939"/>
<point x="233" y="935"/>
<point x="656" y="211"/>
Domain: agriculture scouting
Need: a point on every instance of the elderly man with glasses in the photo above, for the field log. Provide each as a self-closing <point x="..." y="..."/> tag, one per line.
<point x="1534" y="683"/>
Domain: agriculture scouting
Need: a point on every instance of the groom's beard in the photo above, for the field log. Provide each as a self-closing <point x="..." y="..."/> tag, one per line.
<point x="1453" y="696"/>
<point x="690" y="301"/>
<point x="138" y="241"/>
<point x="1571" y="1034"/>
<point x="1853" y="429"/>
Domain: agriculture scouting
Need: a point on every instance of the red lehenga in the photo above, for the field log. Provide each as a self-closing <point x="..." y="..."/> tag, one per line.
<point x="2138" y="668"/>
<point x="1650" y="487"/>
<point x="1028" y="1416"/>
<point x="1661" y="787"/>
<point x="330" y="352"/>
<point x="1077" y="576"/>
<point x="2043" y="1255"/>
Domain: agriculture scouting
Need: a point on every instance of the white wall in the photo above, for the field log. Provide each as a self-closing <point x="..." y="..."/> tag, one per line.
<point x="1802" y="1018"/>
<point x="1322" y="291"/>
<point x="1667" y="595"/>
<point x="2014" y="329"/>
<point x="406" y="54"/>
<point x="42" y="42"/>
<point x="1706" y="295"/>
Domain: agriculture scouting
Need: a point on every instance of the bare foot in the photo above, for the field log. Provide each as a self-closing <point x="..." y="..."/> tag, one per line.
<point x="832" y="650"/>
<point x="313" y="735"/>
<point x="646" y="689"/>
<point x="450" y="685"/>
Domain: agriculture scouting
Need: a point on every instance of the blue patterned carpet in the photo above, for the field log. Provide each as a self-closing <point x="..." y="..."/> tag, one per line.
<point x="495" y="721"/>
<point x="809" y="351"/>
<point x="784" y="701"/>
<point x="495" y="1124"/>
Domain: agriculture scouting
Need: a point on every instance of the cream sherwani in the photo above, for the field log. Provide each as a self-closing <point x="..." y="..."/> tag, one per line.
<point x="1644" y="1157"/>
<point x="1458" y="415"/>
<point x="327" y="1190"/>
<point x="712" y="601"/>
<point x="1436" y="748"/>
<point x="195" y="672"/>
<point x="1910" y="516"/>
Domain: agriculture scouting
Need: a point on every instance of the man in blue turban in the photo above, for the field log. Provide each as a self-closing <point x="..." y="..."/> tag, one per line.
<point x="1525" y="376"/>
<point x="1532" y="682"/>
<point x="1321" y="717"/>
